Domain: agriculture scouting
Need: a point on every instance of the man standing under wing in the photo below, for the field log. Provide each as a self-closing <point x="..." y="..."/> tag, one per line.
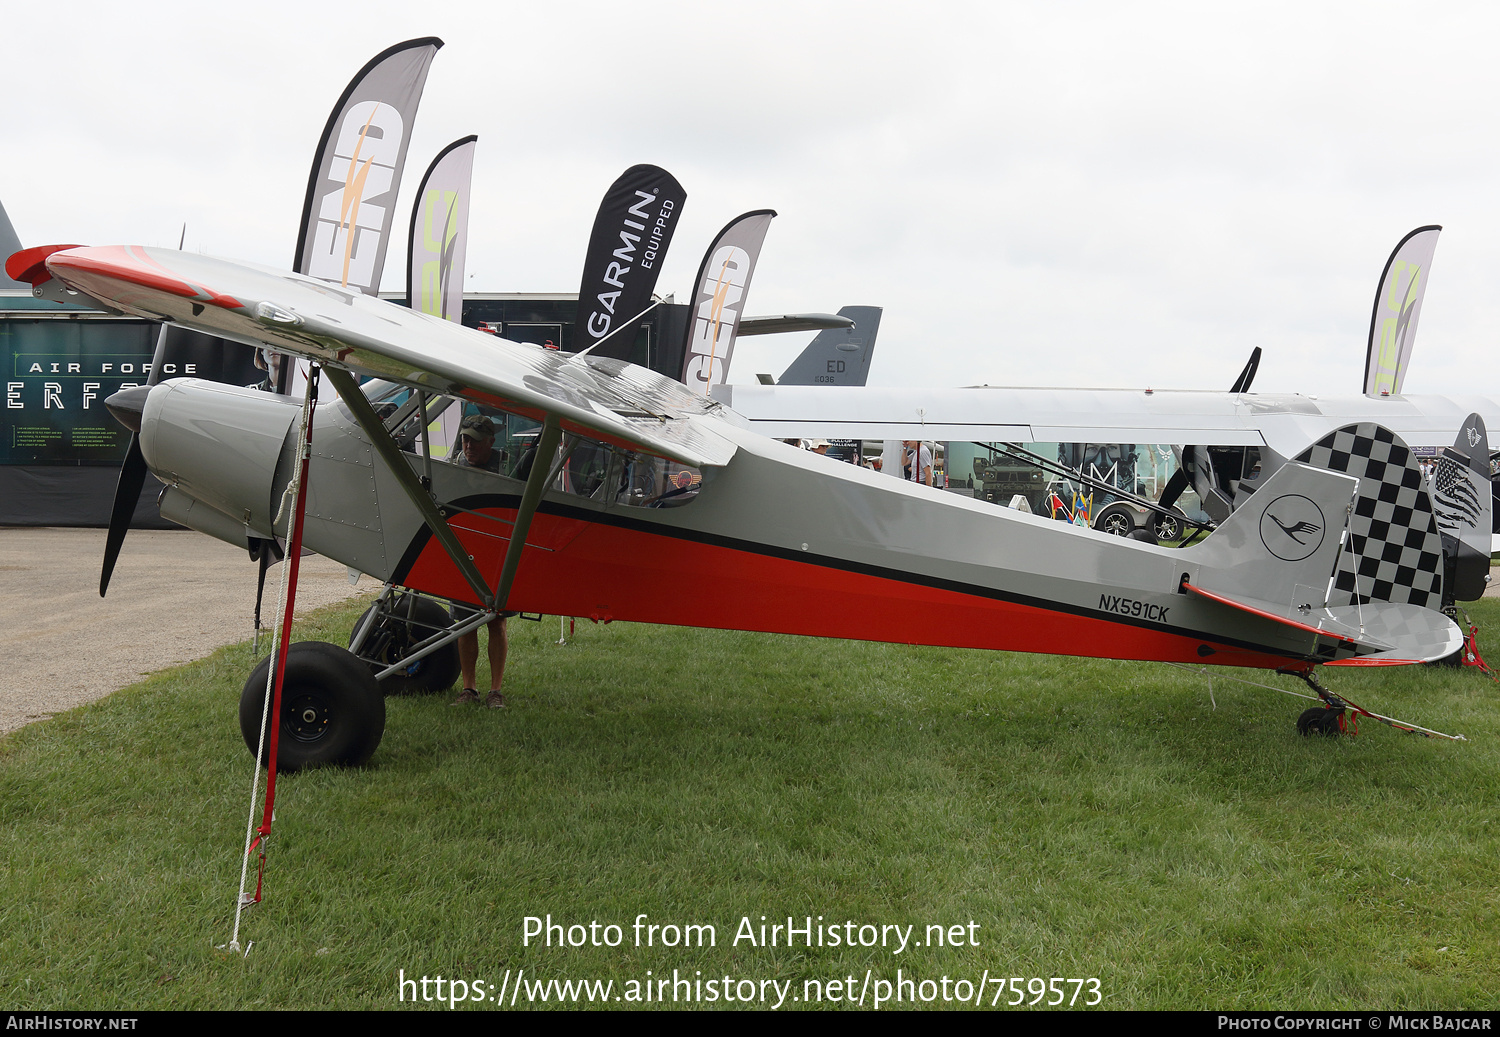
<point x="477" y="437"/>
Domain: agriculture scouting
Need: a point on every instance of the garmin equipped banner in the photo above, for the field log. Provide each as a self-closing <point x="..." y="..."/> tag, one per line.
<point x="1398" y="304"/>
<point x="718" y="299"/>
<point x="440" y="233"/>
<point x="351" y="193"/>
<point x="626" y="250"/>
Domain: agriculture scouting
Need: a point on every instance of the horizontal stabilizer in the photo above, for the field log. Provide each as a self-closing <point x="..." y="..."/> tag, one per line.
<point x="1416" y="634"/>
<point x="1377" y="633"/>
<point x="1300" y="615"/>
<point x="789" y="322"/>
<point x="594" y="396"/>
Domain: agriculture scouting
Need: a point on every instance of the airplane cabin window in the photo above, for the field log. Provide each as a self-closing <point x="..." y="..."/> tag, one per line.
<point x="589" y="469"/>
<point x="1102" y="485"/>
<point x="654" y="482"/>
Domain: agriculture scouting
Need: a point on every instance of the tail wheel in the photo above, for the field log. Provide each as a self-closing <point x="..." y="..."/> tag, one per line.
<point x="393" y="637"/>
<point x="1319" y="720"/>
<point x="332" y="711"/>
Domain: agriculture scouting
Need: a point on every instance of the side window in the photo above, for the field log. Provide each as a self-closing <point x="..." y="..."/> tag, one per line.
<point x="587" y="468"/>
<point x="616" y="477"/>
<point x="653" y="482"/>
<point x="500" y="447"/>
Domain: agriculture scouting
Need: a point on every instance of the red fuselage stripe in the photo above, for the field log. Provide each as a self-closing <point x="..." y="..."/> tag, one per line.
<point x="607" y="572"/>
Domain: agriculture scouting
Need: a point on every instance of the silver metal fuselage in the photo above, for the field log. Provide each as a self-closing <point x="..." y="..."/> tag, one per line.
<point x="777" y="539"/>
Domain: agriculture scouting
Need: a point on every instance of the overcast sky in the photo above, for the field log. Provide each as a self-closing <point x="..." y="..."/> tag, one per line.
<point x="1114" y="194"/>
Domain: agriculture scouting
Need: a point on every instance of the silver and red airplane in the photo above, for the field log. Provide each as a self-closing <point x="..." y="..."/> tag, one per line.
<point x="648" y="503"/>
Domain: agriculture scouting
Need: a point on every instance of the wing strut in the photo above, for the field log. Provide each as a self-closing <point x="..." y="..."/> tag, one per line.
<point x="536" y="483"/>
<point x="390" y="453"/>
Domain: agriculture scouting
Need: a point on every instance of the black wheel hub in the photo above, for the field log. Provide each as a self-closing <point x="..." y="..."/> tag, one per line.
<point x="305" y="717"/>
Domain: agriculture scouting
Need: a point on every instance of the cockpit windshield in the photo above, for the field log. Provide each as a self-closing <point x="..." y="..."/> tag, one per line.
<point x="465" y="434"/>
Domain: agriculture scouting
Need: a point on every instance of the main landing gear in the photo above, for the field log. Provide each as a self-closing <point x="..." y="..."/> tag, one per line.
<point x="393" y="629"/>
<point x="332" y="710"/>
<point x="333" y="699"/>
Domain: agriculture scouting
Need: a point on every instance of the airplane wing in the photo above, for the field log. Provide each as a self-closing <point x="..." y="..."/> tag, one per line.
<point x="789" y="322"/>
<point x="608" y="399"/>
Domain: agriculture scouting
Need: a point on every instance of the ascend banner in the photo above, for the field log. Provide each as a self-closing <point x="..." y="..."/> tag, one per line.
<point x="626" y="250"/>
<point x="723" y="282"/>
<point x="351" y="193"/>
<point x="440" y="233"/>
<point x="1398" y="304"/>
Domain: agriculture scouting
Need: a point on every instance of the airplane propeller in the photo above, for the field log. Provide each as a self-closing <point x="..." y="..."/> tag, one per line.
<point x="1179" y="480"/>
<point x="1242" y="383"/>
<point x="179" y="352"/>
<point x="127" y="404"/>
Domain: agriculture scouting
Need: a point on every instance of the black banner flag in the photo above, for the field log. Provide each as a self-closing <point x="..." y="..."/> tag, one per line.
<point x="626" y="250"/>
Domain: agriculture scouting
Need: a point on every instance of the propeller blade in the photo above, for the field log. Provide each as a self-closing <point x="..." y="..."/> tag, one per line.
<point x="1242" y="383"/>
<point x="133" y="471"/>
<point x="127" y="492"/>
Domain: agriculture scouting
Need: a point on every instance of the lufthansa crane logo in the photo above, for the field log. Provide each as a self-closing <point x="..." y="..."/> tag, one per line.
<point x="1292" y="527"/>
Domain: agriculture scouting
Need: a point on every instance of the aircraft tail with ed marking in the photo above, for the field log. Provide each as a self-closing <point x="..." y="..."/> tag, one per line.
<point x="838" y="356"/>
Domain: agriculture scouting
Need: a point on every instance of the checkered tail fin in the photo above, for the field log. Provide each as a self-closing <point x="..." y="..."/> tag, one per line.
<point x="1393" y="552"/>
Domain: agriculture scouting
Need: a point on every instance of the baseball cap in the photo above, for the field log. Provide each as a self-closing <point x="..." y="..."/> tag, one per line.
<point x="477" y="426"/>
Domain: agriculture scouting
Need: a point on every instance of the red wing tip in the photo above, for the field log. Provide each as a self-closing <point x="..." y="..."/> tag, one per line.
<point x="30" y="264"/>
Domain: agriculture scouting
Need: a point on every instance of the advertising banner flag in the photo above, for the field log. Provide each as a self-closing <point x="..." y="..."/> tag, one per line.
<point x="626" y="249"/>
<point x="718" y="299"/>
<point x="351" y="192"/>
<point x="1398" y="304"/>
<point x="440" y="233"/>
<point x="435" y="257"/>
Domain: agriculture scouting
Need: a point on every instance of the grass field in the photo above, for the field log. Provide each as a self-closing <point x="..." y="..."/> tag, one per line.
<point x="1091" y="819"/>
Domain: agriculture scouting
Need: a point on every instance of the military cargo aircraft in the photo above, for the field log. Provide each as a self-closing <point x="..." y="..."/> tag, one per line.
<point x="648" y="503"/>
